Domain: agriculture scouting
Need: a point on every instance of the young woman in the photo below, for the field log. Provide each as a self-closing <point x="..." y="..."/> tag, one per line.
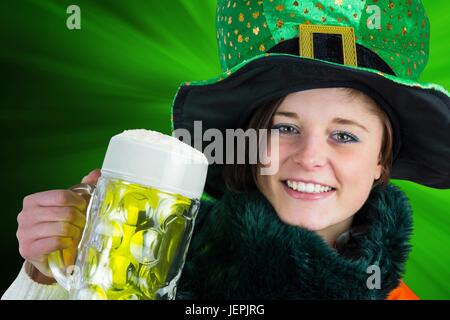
<point x="319" y="226"/>
<point x="338" y="82"/>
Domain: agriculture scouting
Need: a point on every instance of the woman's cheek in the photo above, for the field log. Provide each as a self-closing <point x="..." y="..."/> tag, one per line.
<point x="355" y="175"/>
<point x="284" y="151"/>
<point x="349" y="172"/>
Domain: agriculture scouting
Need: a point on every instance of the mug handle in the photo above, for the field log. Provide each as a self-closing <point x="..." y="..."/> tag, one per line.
<point x="60" y="272"/>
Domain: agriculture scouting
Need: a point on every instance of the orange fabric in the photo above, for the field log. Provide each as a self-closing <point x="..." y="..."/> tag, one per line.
<point x="402" y="292"/>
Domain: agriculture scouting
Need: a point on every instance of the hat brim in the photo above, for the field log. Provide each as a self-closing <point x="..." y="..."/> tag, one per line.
<point x="419" y="112"/>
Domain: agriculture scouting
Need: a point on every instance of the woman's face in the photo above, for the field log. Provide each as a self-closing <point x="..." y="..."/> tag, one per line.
<point x="329" y="146"/>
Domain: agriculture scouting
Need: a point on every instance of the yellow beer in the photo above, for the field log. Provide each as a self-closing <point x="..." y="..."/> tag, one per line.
<point x="137" y="234"/>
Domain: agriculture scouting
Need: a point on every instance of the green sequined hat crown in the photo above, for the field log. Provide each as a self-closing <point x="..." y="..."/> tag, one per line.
<point x="397" y="31"/>
<point x="271" y="48"/>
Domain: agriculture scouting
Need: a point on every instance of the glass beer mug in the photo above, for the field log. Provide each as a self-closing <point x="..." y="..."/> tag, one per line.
<point x="139" y="220"/>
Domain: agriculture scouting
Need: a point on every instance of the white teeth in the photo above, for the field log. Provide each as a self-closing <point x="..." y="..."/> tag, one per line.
<point x="302" y="187"/>
<point x="307" y="187"/>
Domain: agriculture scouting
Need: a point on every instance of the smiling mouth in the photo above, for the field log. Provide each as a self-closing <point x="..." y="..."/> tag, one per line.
<point x="308" y="188"/>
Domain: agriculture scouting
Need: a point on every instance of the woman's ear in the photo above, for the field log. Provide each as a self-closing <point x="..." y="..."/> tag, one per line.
<point x="378" y="169"/>
<point x="378" y="172"/>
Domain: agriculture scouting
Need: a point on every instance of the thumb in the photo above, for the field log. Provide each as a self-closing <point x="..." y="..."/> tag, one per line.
<point x="92" y="177"/>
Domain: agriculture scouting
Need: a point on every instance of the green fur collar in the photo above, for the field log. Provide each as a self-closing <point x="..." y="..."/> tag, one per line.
<point x="241" y="250"/>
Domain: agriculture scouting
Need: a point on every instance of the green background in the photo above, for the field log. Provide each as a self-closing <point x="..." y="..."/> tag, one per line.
<point x="65" y="93"/>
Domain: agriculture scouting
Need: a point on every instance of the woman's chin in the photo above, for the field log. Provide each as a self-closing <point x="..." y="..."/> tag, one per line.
<point x="312" y="221"/>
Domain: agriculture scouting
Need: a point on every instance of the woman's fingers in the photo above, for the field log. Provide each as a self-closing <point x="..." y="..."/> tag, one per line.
<point x="54" y="229"/>
<point x="35" y="250"/>
<point x="55" y="198"/>
<point x="92" y="177"/>
<point x="38" y="215"/>
<point x="48" y="245"/>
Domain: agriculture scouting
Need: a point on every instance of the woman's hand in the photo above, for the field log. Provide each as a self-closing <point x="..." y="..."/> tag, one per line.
<point x="50" y="221"/>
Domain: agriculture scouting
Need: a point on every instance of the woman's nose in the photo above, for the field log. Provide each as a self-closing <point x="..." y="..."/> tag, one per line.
<point x="310" y="153"/>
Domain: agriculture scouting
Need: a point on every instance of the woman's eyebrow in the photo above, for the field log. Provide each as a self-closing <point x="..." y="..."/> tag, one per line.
<point x="287" y="114"/>
<point x="348" y="122"/>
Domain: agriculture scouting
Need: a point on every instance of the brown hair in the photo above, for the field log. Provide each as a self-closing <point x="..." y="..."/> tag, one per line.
<point x="242" y="177"/>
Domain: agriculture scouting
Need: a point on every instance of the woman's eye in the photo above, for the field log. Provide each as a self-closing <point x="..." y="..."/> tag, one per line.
<point x="344" y="137"/>
<point x="285" y="129"/>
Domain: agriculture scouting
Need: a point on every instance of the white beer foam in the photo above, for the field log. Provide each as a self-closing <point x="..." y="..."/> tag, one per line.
<point x="158" y="140"/>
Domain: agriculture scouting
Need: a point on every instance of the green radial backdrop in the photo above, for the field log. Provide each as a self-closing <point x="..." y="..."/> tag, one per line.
<point x="65" y="92"/>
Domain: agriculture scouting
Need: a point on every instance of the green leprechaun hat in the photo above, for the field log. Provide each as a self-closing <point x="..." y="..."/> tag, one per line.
<point x="270" y="48"/>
